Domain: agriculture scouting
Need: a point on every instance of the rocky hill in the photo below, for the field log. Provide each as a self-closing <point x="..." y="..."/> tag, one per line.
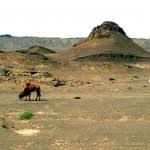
<point x="106" y="41"/>
<point x="37" y="50"/>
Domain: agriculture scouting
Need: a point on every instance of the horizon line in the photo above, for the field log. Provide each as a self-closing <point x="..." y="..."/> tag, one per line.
<point x="32" y="36"/>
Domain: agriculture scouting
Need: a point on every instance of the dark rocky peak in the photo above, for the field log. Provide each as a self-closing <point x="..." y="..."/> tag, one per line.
<point x="105" y="30"/>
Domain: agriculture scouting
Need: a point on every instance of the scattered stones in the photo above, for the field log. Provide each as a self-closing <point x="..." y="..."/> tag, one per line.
<point x="78" y="83"/>
<point x="33" y="74"/>
<point x="4" y="72"/>
<point x="58" y="82"/>
<point x="7" y="75"/>
<point x="123" y="118"/>
<point x="47" y="74"/>
<point x="6" y="123"/>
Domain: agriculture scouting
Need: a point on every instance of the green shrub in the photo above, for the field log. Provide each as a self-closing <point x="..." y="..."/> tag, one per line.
<point x="135" y="77"/>
<point x="77" y="97"/>
<point x="26" y="115"/>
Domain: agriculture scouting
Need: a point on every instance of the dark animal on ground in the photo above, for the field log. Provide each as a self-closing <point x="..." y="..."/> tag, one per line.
<point x="29" y="88"/>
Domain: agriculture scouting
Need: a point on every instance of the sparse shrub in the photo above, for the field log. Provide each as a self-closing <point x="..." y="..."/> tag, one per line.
<point x="74" y="45"/>
<point x="130" y="88"/>
<point x="111" y="79"/>
<point x="26" y="115"/>
<point x="4" y="126"/>
<point x="129" y="66"/>
<point x="135" y="77"/>
<point x="77" y="97"/>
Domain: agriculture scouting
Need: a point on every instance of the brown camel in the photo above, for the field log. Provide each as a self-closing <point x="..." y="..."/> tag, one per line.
<point x="30" y="87"/>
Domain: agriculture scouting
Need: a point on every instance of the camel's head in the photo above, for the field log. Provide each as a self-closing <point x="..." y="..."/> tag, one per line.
<point x="21" y="95"/>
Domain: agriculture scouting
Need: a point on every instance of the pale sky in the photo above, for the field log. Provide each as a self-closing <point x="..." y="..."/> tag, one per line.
<point x="72" y="18"/>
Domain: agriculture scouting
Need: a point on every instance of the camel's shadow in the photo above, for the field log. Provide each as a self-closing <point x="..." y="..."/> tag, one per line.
<point x="32" y="100"/>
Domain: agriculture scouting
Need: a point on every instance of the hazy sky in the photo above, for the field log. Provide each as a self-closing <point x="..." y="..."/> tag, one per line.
<point x="72" y="18"/>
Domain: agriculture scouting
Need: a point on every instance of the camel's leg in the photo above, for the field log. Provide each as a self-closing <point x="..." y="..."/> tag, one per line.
<point x="29" y="96"/>
<point x="36" y="97"/>
<point x="38" y="94"/>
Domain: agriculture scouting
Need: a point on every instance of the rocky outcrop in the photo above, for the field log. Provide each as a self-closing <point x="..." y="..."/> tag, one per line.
<point x="105" y="30"/>
<point x="40" y="49"/>
<point x="58" y="82"/>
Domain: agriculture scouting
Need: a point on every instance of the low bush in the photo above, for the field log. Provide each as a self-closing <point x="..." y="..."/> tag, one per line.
<point x="26" y="115"/>
<point x="135" y="77"/>
<point x="111" y="79"/>
<point x="77" y="97"/>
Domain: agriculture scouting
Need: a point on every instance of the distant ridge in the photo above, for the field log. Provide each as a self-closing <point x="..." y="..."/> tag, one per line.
<point x="6" y="36"/>
<point x="12" y="43"/>
<point x="106" y="41"/>
<point x="144" y="43"/>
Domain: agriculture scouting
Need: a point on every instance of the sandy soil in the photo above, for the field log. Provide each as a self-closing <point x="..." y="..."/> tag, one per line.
<point x="116" y="120"/>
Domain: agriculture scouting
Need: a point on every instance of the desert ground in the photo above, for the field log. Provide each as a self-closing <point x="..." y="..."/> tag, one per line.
<point x="112" y="112"/>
